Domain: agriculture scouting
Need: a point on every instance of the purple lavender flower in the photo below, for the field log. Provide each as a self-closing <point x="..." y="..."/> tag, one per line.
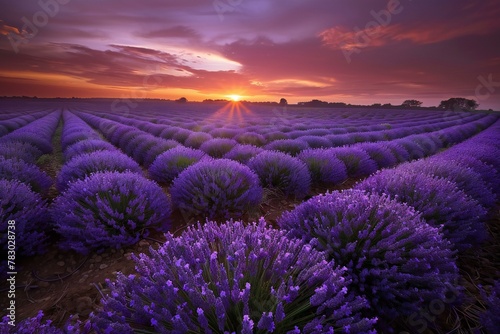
<point x="171" y="163"/>
<point x="392" y="256"/>
<point x="357" y="162"/>
<point x="251" y="138"/>
<point x="217" y="147"/>
<point x="280" y="171"/>
<point x="196" y="139"/>
<point x="85" y="164"/>
<point x="13" y="169"/>
<point x="324" y="167"/>
<point x="87" y="146"/>
<point x="316" y="141"/>
<point x="158" y="148"/>
<point x="380" y="153"/>
<point x="216" y="188"/>
<point x="441" y="203"/>
<point x="232" y="278"/>
<point x="465" y="178"/>
<point x="289" y="146"/>
<point x="109" y="209"/>
<point x="29" y="212"/>
<point x="20" y="150"/>
<point x="243" y="153"/>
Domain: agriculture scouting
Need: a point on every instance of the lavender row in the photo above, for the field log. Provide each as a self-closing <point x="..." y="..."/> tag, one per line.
<point x="141" y="146"/>
<point x="105" y="200"/>
<point x="14" y="123"/>
<point x="23" y="184"/>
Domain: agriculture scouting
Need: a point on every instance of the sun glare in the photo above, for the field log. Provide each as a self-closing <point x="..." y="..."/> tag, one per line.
<point x="235" y="98"/>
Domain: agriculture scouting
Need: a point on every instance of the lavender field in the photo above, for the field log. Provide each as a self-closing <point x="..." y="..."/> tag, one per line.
<point x="244" y="218"/>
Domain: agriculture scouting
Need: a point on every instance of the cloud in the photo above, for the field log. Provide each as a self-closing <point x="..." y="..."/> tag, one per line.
<point x="6" y="29"/>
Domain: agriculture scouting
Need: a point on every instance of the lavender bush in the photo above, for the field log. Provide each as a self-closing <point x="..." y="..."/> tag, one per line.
<point x="154" y="151"/>
<point x="196" y="139"/>
<point x="109" y="209"/>
<point x="289" y="146"/>
<point x="216" y="188"/>
<point x="441" y="203"/>
<point x="231" y="278"/>
<point x="29" y="211"/>
<point x="280" y="171"/>
<point x="380" y="153"/>
<point x="13" y="169"/>
<point x="20" y="150"/>
<point x="465" y="178"/>
<point x="357" y="162"/>
<point x="392" y="256"/>
<point x="218" y="147"/>
<point x="87" y="146"/>
<point x="170" y="164"/>
<point x="324" y="167"/>
<point x="251" y="138"/>
<point x="243" y="153"/>
<point x="85" y="164"/>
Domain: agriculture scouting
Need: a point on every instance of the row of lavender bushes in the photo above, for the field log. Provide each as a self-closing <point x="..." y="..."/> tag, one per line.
<point x="10" y="124"/>
<point x="23" y="185"/>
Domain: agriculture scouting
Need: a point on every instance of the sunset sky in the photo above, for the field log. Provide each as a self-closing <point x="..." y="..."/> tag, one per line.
<point x="359" y="51"/>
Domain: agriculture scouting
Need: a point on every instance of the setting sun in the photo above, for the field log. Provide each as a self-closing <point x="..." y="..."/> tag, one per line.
<point x="235" y="98"/>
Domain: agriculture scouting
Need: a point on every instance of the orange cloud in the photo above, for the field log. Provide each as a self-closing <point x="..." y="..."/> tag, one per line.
<point x="375" y="35"/>
<point x="6" y="29"/>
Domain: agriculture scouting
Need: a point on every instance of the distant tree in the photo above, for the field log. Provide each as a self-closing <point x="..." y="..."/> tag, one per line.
<point x="459" y="104"/>
<point x="283" y="102"/>
<point x="411" y="103"/>
<point x="387" y="105"/>
<point x="181" y="100"/>
<point x="377" y="105"/>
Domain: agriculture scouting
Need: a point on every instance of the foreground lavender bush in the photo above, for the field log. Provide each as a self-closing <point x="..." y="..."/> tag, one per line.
<point x="216" y="188"/>
<point x="324" y="167"/>
<point x="231" y="278"/>
<point x="13" y="169"/>
<point x="29" y="211"/>
<point x="441" y="203"/>
<point x="170" y="164"/>
<point x="280" y="171"/>
<point x="85" y="164"/>
<point x="392" y="256"/>
<point x="109" y="209"/>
